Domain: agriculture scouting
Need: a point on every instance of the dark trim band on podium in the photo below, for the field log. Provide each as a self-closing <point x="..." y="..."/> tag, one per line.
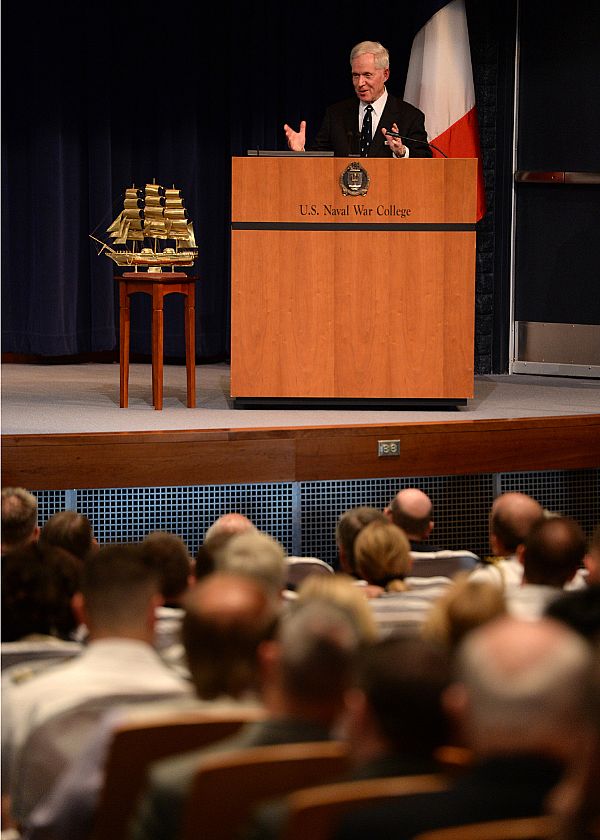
<point x="352" y="282"/>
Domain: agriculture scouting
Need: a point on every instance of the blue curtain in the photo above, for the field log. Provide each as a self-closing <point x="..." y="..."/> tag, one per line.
<point x="97" y="96"/>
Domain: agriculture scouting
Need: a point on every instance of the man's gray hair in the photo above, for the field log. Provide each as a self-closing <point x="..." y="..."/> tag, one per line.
<point x="256" y="555"/>
<point x="380" y="54"/>
<point x="318" y="643"/>
<point x="19" y="515"/>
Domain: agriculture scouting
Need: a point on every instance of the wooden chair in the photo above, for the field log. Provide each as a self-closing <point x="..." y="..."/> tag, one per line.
<point x="314" y="812"/>
<point x="136" y="745"/>
<point x="530" y="828"/>
<point x="226" y="788"/>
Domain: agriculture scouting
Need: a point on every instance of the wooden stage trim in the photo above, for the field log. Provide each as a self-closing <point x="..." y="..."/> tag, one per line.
<point x="232" y="456"/>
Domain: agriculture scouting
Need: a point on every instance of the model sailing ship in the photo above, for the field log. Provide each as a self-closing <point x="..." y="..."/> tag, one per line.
<point x="150" y="218"/>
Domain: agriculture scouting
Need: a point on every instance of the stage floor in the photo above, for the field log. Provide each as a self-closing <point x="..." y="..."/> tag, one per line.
<point x="62" y="428"/>
<point x="84" y="398"/>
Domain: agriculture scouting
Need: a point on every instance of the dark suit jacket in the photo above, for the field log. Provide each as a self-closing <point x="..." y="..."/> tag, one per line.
<point x="339" y="131"/>
<point x="497" y="789"/>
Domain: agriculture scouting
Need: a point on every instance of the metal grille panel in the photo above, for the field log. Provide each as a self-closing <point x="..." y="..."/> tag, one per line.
<point x="303" y="515"/>
<point x="460" y="507"/>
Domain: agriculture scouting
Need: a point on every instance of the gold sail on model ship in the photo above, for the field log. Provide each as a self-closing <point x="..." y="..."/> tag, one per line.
<point x="149" y="217"/>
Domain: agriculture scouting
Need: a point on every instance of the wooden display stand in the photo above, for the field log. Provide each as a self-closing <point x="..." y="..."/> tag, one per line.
<point x="158" y="285"/>
<point x="349" y="299"/>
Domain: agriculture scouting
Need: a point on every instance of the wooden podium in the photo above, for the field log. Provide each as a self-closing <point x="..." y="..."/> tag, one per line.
<point x="352" y="299"/>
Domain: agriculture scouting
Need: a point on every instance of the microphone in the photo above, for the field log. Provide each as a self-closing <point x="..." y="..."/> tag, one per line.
<point x="416" y="140"/>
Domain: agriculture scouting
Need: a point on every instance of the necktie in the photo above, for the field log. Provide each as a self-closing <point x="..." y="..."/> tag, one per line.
<point x="366" y="132"/>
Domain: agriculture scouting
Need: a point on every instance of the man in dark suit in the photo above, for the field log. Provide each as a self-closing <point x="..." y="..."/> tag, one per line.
<point x="375" y="123"/>
<point x="521" y="700"/>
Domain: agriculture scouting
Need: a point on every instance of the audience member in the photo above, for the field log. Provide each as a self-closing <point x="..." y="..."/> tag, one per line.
<point x="467" y="604"/>
<point x="39" y="583"/>
<point x="393" y="719"/>
<point x="304" y="675"/>
<point x="339" y="589"/>
<point x="215" y="538"/>
<point x="169" y="555"/>
<point x="412" y="510"/>
<point x="348" y="527"/>
<point x="227" y="618"/>
<point x="69" y="530"/>
<point x="19" y="518"/>
<point x="118" y="598"/>
<point x="575" y="802"/>
<point x="521" y="699"/>
<point x="511" y="518"/>
<point x="551" y="555"/>
<point x="257" y="555"/>
<point x="399" y="602"/>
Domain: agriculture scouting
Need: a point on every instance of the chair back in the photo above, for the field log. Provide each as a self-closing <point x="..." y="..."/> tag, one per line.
<point x="136" y="745"/>
<point x="299" y="568"/>
<point x="314" y="812"/>
<point x="227" y="788"/>
<point x="530" y="828"/>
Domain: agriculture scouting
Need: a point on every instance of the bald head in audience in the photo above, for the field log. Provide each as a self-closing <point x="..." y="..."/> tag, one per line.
<point x="511" y="518"/>
<point x="216" y="538"/>
<point x="523" y="687"/>
<point x="412" y="510"/>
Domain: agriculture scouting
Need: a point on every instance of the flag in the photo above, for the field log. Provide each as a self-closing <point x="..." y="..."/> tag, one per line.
<point x="440" y="82"/>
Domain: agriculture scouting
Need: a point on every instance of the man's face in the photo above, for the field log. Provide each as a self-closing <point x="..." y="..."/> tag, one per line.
<point x="367" y="79"/>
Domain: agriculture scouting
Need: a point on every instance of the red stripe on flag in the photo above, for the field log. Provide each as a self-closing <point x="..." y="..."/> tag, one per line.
<point x="462" y="140"/>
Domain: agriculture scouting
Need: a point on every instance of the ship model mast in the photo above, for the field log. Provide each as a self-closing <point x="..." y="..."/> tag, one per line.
<point x="150" y="217"/>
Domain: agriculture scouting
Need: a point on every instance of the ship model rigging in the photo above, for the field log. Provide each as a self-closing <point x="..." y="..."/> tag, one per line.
<point x="155" y="230"/>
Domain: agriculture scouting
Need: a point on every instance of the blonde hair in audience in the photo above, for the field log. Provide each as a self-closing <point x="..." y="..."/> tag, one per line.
<point x="383" y="558"/>
<point x="340" y="590"/>
<point x="465" y="605"/>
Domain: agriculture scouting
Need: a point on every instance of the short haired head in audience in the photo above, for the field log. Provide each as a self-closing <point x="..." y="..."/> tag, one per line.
<point x="395" y="703"/>
<point x="19" y="518"/>
<point x="553" y="551"/>
<point x="465" y="605"/>
<point x="523" y="687"/>
<point x="511" y="518"/>
<point x="216" y="538"/>
<point x="38" y="586"/>
<point x="317" y="642"/>
<point x="382" y="553"/>
<point x="412" y="510"/>
<point x="227" y="617"/>
<point x="257" y="555"/>
<point x="349" y="525"/>
<point x="170" y="555"/>
<point x="121" y="591"/>
<point x="69" y="530"/>
<point x="340" y="589"/>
